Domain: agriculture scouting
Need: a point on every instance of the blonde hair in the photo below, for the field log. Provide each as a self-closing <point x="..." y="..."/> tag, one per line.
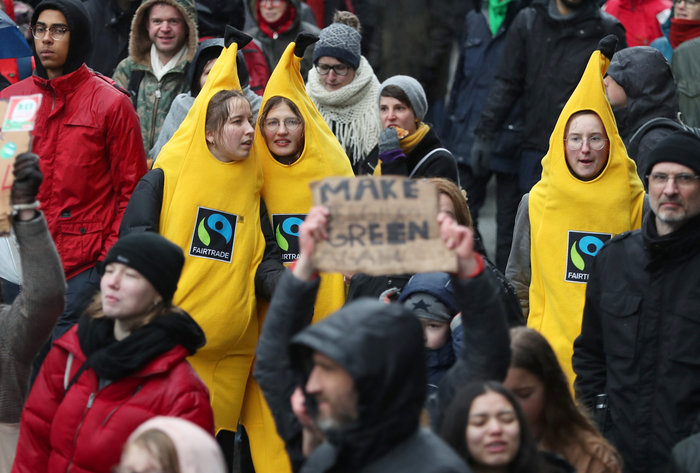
<point x="160" y="447"/>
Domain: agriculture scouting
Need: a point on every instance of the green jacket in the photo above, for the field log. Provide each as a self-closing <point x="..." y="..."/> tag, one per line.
<point x="155" y="97"/>
<point x="686" y="70"/>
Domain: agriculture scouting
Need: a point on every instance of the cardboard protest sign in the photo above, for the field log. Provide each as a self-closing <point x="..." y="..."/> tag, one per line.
<point x="18" y="116"/>
<point x="381" y="225"/>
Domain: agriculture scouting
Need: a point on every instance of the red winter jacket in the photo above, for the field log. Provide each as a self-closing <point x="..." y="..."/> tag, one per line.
<point x="89" y="142"/>
<point x="84" y="430"/>
<point x="642" y="19"/>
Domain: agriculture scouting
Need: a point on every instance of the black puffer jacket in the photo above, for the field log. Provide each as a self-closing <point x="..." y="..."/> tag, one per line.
<point x="544" y="57"/>
<point x="110" y="33"/>
<point x="645" y="75"/>
<point x="639" y="342"/>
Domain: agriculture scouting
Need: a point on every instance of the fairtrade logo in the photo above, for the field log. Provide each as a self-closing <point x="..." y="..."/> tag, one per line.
<point x="589" y="245"/>
<point x="213" y="235"/>
<point x="216" y="223"/>
<point x="290" y="226"/>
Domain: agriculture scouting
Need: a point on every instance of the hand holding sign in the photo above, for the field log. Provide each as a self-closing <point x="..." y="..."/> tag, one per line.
<point x="380" y="225"/>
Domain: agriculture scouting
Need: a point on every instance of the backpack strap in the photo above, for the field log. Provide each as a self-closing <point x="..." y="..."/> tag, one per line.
<point x="633" y="145"/>
<point x="134" y="84"/>
<point x="425" y="160"/>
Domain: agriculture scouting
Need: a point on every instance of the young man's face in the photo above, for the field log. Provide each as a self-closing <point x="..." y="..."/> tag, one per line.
<point x="334" y="389"/>
<point x="52" y="53"/>
<point x="166" y="29"/>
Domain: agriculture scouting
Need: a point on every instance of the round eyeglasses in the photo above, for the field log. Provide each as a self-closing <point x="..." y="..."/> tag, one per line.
<point x="596" y="143"/>
<point x="291" y="124"/>
<point x="57" y="32"/>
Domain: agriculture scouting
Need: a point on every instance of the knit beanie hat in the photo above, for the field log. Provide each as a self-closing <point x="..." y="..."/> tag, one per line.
<point x="341" y="42"/>
<point x="414" y="91"/>
<point x="80" y="37"/>
<point x="155" y="257"/>
<point x="680" y="147"/>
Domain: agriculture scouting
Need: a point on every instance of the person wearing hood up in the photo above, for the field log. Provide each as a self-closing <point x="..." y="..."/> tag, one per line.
<point x="171" y="445"/>
<point x="588" y="193"/>
<point x="204" y="59"/>
<point x="162" y="43"/>
<point x="640" y="87"/>
<point x="87" y="138"/>
<point x="124" y="363"/>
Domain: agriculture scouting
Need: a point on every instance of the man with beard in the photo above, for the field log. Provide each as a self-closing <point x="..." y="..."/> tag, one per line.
<point x="546" y="51"/>
<point x="637" y="360"/>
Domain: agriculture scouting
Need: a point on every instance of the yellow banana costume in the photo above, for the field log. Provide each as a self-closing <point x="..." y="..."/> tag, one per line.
<point x="570" y="219"/>
<point x="288" y="198"/>
<point x="211" y="210"/>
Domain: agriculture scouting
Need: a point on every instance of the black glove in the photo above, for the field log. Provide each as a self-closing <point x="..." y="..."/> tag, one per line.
<point x="481" y="153"/>
<point x="28" y="178"/>
<point x="388" y="140"/>
<point x="303" y="41"/>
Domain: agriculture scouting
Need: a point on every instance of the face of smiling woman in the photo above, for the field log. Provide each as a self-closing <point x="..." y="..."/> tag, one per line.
<point x="493" y="432"/>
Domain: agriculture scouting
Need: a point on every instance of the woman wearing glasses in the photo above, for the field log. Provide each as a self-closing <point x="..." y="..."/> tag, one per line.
<point x="344" y="88"/>
<point x="278" y="23"/>
<point x="589" y="192"/>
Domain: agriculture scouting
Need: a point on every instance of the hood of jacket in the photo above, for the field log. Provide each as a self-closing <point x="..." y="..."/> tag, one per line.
<point x="211" y="49"/>
<point x="381" y="347"/>
<point x="645" y="75"/>
<point x="140" y="44"/>
<point x="80" y="34"/>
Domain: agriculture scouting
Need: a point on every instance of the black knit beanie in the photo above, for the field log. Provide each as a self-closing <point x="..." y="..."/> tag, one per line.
<point x="155" y="257"/>
<point x="680" y="147"/>
<point x="80" y="37"/>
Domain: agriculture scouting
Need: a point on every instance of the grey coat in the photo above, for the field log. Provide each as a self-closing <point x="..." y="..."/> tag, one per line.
<point x="27" y="324"/>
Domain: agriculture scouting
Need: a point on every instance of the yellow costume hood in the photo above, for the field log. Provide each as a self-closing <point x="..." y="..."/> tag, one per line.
<point x="570" y="219"/>
<point x="211" y="209"/>
<point x="286" y="188"/>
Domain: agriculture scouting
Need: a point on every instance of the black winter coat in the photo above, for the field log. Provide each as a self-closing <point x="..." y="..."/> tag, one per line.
<point x="142" y="214"/>
<point x="639" y="342"/>
<point x="543" y="61"/>
<point x="110" y="27"/>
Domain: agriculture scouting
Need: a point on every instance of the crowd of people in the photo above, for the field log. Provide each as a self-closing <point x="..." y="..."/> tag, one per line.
<point x="162" y="309"/>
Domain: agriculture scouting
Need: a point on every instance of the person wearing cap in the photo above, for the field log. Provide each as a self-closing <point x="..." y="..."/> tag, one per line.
<point x="407" y="146"/>
<point x="430" y="296"/>
<point x="343" y="86"/>
<point x="86" y="135"/>
<point x="589" y="192"/>
<point x="124" y="363"/>
<point x="637" y="362"/>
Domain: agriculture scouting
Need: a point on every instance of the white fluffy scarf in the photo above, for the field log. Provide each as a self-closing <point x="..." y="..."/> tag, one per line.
<point x="352" y="111"/>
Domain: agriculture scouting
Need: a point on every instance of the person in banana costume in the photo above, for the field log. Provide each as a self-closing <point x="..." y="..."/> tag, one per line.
<point x="588" y="193"/>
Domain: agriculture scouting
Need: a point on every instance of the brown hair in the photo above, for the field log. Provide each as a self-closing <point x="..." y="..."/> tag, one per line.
<point x="396" y="92"/>
<point x="269" y="105"/>
<point x="458" y="197"/>
<point x="159" y="445"/>
<point x="218" y="110"/>
<point x="565" y="423"/>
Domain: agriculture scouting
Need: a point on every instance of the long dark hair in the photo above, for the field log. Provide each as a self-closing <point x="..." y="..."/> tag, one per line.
<point x="454" y="427"/>
<point x="564" y="423"/>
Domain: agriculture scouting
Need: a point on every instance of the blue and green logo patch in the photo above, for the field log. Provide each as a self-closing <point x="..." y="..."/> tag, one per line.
<point x="581" y="249"/>
<point x="286" y="228"/>
<point x="214" y="235"/>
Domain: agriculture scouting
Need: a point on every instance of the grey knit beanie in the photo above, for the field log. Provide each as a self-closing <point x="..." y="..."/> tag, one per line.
<point x="414" y="91"/>
<point x="341" y="42"/>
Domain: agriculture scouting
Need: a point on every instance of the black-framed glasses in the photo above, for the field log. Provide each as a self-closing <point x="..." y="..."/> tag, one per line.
<point x="596" y="143"/>
<point x="683" y="179"/>
<point x="339" y="69"/>
<point x="57" y="32"/>
<point x="291" y="124"/>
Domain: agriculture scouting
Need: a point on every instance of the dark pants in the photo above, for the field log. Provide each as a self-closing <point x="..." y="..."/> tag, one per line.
<point x="507" y="199"/>
<point x="530" y="169"/>
<point x="236" y="449"/>
<point x="80" y="290"/>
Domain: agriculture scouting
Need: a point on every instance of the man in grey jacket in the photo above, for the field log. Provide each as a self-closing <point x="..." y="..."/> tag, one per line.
<point x="26" y="324"/>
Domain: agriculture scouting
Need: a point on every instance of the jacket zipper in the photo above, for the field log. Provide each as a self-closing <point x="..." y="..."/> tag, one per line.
<point x="155" y="114"/>
<point x="91" y="400"/>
